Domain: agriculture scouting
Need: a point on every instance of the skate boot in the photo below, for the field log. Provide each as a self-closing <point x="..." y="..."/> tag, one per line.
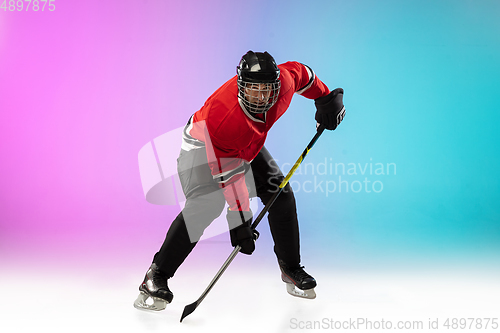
<point x="298" y="282"/>
<point x="155" y="288"/>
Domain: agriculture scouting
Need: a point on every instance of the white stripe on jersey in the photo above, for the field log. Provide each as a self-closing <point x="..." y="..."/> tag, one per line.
<point x="188" y="142"/>
<point x="221" y="177"/>
<point x="312" y="76"/>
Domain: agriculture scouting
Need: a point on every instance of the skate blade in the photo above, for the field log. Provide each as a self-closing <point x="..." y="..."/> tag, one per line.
<point x="146" y="302"/>
<point x="294" y="291"/>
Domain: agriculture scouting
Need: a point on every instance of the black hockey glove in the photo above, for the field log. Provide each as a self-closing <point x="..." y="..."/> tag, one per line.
<point x="330" y="109"/>
<point x="242" y="234"/>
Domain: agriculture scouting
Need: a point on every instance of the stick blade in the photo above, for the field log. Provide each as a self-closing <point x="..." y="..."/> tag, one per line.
<point x="188" y="309"/>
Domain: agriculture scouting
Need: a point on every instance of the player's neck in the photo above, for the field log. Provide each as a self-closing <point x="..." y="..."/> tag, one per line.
<point x="260" y="116"/>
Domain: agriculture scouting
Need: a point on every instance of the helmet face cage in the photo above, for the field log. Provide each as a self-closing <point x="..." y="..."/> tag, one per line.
<point x="258" y="84"/>
<point x="258" y="97"/>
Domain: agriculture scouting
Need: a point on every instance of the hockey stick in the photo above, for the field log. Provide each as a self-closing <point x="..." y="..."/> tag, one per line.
<point x="188" y="309"/>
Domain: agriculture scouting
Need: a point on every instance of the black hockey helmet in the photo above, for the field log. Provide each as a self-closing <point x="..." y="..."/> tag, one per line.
<point x="258" y="75"/>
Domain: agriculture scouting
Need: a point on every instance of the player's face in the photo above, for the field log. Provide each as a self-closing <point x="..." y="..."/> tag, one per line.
<point x="258" y="93"/>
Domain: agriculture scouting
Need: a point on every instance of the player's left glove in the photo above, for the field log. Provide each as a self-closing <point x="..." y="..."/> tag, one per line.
<point x="330" y="109"/>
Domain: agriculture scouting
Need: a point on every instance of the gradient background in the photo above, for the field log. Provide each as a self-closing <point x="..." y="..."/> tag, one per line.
<point x="83" y="88"/>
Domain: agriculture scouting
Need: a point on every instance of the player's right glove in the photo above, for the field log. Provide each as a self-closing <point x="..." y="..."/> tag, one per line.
<point x="240" y="231"/>
<point x="330" y="109"/>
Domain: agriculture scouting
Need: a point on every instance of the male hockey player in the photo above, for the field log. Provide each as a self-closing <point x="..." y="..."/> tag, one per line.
<point x="222" y="147"/>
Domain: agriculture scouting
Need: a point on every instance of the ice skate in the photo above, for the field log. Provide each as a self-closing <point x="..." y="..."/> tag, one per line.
<point x="154" y="293"/>
<point x="298" y="282"/>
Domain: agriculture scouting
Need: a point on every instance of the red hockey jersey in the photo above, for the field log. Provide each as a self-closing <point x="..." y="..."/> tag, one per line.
<point x="233" y="136"/>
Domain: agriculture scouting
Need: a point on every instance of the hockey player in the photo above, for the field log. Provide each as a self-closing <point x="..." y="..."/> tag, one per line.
<point x="222" y="147"/>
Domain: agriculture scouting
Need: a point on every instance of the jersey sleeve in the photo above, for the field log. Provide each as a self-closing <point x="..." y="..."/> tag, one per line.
<point x="306" y="83"/>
